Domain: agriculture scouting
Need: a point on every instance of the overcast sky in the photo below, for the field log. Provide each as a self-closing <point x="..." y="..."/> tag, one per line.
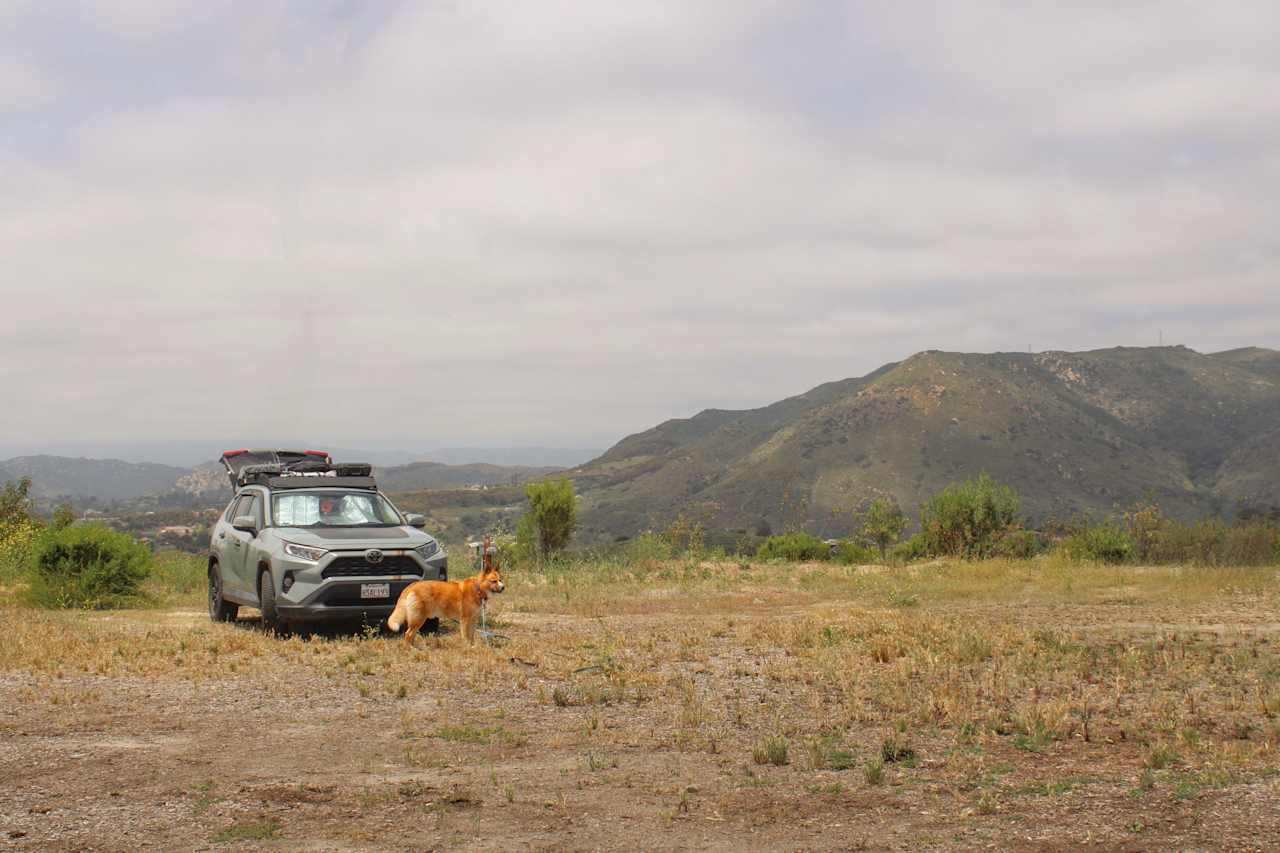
<point x="424" y="224"/>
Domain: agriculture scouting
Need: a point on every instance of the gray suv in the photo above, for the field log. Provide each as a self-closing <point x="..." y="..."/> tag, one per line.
<point x="305" y="540"/>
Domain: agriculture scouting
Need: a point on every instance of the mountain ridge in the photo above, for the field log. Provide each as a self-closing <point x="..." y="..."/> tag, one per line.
<point x="1074" y="432"/>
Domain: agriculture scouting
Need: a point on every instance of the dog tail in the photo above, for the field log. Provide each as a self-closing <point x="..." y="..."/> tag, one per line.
<point x="397" y="618"/>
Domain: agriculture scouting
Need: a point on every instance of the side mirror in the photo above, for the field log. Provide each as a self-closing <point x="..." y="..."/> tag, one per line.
<point x="247" y="523"/>
<point x="413" y="519"/>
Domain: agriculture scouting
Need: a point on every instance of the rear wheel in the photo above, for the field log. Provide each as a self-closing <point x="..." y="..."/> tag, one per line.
<point x="220" y="610"/>
<point x="267" y="603"/>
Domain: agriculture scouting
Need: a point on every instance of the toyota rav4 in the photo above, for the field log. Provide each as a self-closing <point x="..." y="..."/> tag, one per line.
<point x="305" y="540"/>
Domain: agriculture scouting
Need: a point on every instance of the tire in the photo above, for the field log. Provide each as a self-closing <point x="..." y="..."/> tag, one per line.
<point x="267" y="604"/>
<point x="220" y="610"/>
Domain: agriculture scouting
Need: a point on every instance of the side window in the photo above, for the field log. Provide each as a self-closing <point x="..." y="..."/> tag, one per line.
<point x="255" y="509"/>
<point x="231" y="509"/>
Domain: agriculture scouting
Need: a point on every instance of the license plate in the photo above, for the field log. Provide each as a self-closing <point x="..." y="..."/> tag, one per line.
<point x="375" y="590"/>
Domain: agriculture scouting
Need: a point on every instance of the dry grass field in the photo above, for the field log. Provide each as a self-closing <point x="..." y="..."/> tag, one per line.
<point x="1036" y="705"/>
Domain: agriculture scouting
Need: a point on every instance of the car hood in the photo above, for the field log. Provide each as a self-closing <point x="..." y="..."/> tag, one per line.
<point x="354" y="537"/>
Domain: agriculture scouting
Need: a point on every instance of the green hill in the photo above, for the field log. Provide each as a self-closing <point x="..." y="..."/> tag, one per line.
<point x="1071" y="431"/>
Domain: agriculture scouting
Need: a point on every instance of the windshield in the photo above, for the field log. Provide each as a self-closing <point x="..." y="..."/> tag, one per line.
<point x="333" y="509"/>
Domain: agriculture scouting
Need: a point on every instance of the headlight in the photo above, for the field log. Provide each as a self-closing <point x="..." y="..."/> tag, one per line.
<point x="429" y="550"/>
<point x="302" y="552"/>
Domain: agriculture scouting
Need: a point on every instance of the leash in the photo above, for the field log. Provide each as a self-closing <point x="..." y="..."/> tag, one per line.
<point x="489" y="636"/>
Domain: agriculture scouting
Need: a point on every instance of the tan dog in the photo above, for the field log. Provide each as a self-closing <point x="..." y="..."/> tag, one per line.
<point x="459" y="600"/>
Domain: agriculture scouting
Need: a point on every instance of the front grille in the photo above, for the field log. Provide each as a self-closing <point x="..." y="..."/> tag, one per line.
<point x="358" y="566"/>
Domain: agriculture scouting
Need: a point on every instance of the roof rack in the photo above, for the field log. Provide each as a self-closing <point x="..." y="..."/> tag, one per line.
<point x="273" y="467"/>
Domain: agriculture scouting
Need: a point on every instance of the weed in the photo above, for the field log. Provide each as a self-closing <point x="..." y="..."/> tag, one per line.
<point x="1161" y="756"/>
<point x="771" y="750"/>
<point x="895" y="750"/>
<point x="873" y="771"/>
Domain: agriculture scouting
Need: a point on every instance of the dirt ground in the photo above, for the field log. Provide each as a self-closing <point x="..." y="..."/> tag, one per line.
<point x="1143" y="724"/>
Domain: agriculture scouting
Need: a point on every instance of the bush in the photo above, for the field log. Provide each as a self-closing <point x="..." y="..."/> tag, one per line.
<point x="551" y="520"/>
<point x="1018" y="545"/>
<point x="1099" y="543"/>
<point x="795" y="547"/>
<point x="910" y="550"/>
<point x="969" y="519"/>
<point x="850" y="553"/>
<point x="87" y="565"/>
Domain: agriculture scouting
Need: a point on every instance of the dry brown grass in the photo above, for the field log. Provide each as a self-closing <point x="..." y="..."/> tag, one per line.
<point x="985" y="695"/>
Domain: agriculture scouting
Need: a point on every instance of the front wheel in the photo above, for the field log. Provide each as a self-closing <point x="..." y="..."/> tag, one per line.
<point x="267" y="603"/>
<point x="220" y="610"/>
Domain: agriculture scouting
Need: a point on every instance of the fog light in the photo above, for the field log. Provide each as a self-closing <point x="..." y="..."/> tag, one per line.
<point x="287" y="582"/>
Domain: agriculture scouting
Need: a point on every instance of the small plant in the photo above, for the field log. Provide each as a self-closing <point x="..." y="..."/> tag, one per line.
<point x="823" y="753"/>
<point x="873" y="771"/>
<point x="1162" y="756"/>
<point x="899" y="598"/>
<point x="894" y="750"/>
<point x="771" y="750"/>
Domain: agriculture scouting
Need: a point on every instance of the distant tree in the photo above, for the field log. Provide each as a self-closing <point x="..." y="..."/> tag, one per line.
<point x="551" y="520"/>
<point x="63" y="516"/>
<point x="881" y="524"/>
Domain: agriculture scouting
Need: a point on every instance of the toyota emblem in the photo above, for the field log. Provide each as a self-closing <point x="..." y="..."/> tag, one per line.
<point x="373" y="556"/>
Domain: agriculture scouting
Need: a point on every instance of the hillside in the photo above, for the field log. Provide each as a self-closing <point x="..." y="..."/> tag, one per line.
<point x="1072" y="432"/>
<point x="60" y="477"/>
<point x="435" y="475"/>
<point x="97" y="482"/>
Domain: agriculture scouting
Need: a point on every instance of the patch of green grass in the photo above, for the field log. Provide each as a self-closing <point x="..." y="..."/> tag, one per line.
<point x="873" y="771"/>
<point x="771" y="750"/>
<point x="1034" y="740"/>
<point x="254" y="830"/>
<point x="825" y="753"/>
<point x="831" y="788"/>
<point x="466" y="734"/>
<point x="1162" y="756"/>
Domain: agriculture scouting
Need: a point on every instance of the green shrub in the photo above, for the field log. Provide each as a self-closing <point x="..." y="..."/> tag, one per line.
<point x="552" y="517"/>
<point x="1018" y="545"/>
<point x="87" y="565"/>
<point x="968" y="519"/>
<point x="796" y="547"/>
<point x="1099" y="543"/>
<point x="910" y="550"/>
<point x="850" y="553"/>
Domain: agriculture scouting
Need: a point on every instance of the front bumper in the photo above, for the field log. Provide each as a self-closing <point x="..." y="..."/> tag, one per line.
<point x="319" y="593"/>
<point x="340" y="600"/>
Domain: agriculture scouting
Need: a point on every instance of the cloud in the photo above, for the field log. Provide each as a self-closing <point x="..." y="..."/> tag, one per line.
<point x="550" y="223"/>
